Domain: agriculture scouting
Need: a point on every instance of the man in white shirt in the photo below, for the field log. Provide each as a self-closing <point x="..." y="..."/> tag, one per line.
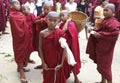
<point x="71" y="6"/>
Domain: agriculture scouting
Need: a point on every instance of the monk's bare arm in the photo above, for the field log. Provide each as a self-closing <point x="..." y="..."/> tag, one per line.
<point x="40" y="47"/>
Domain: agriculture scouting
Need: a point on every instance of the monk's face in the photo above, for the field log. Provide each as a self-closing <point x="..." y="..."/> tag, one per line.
<point x="52" y="22"/>
<point x="63" y="17"/>
<point x="25" y="10"/>
<point x="107" y="12"/>
<point x="47" y="9"/>
<point x="16" y="5"/>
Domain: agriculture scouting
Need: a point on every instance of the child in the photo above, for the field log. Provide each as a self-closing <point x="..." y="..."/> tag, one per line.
<point x="101" y="43"/>
<point x="69" y="28"/>
<point x="21" y="39"/>
<point x="98" y="13"/>
<point x="50" y="51"/>
<point x="41" y="24"/>
<point x="29" y="19"/>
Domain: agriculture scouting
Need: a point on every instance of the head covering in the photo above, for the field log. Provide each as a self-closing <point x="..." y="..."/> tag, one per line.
<point x="111" y="6"/>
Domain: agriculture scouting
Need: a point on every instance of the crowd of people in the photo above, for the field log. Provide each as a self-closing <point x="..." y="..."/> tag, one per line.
<point x="45" y="26"/>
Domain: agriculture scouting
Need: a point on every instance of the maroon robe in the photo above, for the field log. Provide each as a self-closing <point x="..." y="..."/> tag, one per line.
<point x="52" y="53"/>
<point x="40" y="25"/>
<point x="23" y="1"/>
<point x="20" y="35"/>
<point x="73" y="43"/>
<point x="101" y="49"/>
<point x="117" y="8"/>
<point x="2" y="17"/>
<point x="29" y="19"/>
<point x="63" y="2"/>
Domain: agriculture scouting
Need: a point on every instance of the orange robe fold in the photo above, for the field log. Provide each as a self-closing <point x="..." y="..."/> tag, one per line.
<point x="101" y="49"/>
<point x="20" y="35"/>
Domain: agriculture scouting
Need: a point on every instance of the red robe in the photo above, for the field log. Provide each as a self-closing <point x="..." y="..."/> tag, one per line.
<point x="29" y="19"/>
<point x="23" y="1"/>
<point x="117" y="8"/>
<point x="20" y="35"/>
<point x="39" y="27"/>
<point x="2" y="17"/>
<point x="73" y="43"/>
<point x="63" y="2"/>
<point x="101" y="49"/>
<point x="52" y="53"/>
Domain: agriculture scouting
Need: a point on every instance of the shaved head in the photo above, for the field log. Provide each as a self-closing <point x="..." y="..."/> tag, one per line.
<point x="65" y="12"/>
<point x="53" y="14"/>
<point x="48" y="3"/>
<point x="110" y="6"/>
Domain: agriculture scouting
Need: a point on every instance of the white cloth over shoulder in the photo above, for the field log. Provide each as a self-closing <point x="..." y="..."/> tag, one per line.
<point x="70" y="57"/>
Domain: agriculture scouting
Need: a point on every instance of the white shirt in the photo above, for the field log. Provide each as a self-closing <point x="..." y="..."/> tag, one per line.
<point x="71" y="7"/>
<point x="39" y="3"/>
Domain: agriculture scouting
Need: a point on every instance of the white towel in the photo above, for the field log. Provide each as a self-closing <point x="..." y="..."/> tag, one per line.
<point x="70" y="57"/>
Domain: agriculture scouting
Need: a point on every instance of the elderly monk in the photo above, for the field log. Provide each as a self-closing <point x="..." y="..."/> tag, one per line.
<point x="102" y="41"/>
<point x="21" y="39"/>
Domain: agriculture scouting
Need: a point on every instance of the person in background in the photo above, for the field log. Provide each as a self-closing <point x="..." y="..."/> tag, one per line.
<point x="82" y="6"/>
<point x="41" y="24"/>
<point x="58" y="6"/>
<point x="31" y="5"/>
<point x="71" y="6"/>
<point x="98" y="13"/>
<point x="104" y="37"/>
<point x="30" y="22"/>
<point x="38" y="4"/>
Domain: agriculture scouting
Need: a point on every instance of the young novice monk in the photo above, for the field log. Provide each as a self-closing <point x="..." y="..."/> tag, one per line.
<point x="20" y="35"/>
<point x="29" y="19"/>
<point x="41" y="24"/>
<point x="50" y="51"/>
<point x="101" y="43"/>
<point x="69" y="28"/>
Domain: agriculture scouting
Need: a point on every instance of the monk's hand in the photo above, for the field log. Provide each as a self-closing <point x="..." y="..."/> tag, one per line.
<point x="44" y="65"/>
<point x="58" y="67"/>
<point x="97" y="35"/>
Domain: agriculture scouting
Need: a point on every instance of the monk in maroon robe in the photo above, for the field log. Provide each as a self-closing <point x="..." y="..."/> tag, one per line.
<point x="41" y="22"/>
<point x="72" y="40"/>
<point x="21" y="41"/>
<point x="2" y="17"/>
<point x="101" y="43"/>
<point x="50" y="51"/>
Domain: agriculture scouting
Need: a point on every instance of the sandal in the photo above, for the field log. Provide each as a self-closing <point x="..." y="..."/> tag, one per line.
<point x="31" y="61"/>
<point x="38" y="67"/>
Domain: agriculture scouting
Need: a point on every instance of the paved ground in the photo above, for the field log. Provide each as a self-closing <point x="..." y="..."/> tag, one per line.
<point x="88" y="72"/>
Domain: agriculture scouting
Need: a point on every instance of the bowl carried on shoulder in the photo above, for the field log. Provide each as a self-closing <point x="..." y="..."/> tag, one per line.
<point x="80" y="19"/>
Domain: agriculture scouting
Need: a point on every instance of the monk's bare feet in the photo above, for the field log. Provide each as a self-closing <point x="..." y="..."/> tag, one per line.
<point x="31" y="61"/>
<point x="77" y="81"/>
<point x="23" y="81"/>
<point x="38" y="67"/>
<point x="22" y="76"/>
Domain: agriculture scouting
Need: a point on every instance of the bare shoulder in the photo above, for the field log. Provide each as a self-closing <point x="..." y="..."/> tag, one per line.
<point x="43" y="32"/>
